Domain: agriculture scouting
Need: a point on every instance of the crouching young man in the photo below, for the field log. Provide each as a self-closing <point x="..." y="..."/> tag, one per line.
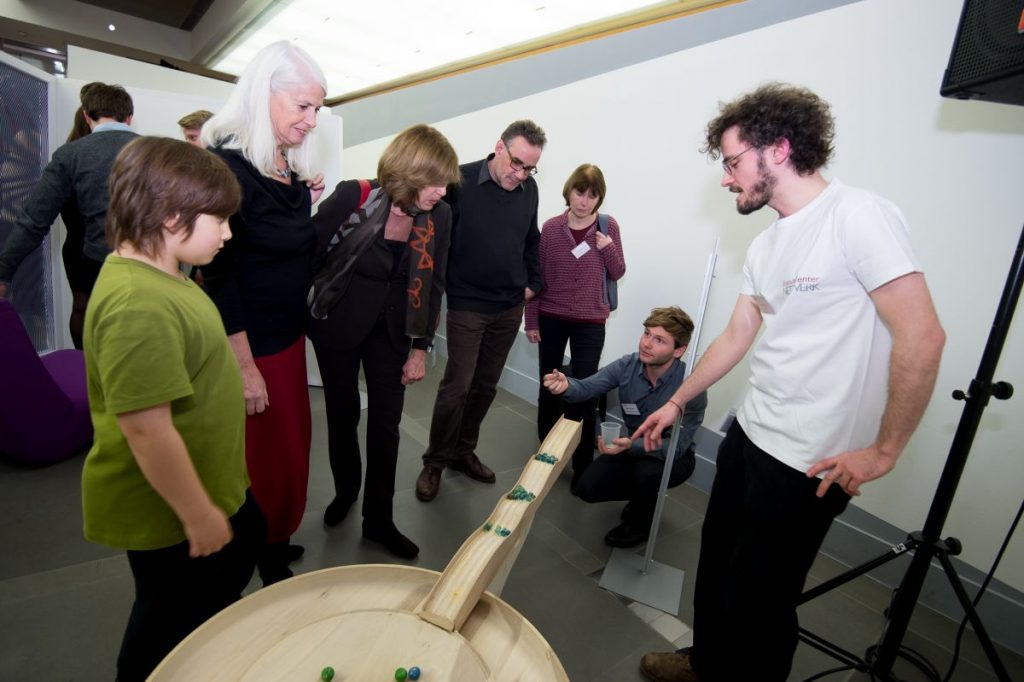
<point x="646" y="381"/>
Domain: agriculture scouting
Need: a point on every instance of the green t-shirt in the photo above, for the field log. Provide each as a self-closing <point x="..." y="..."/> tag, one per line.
<point x="152" y="339"/>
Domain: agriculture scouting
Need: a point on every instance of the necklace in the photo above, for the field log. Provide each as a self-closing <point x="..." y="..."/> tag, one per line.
<point x="286" y="172"/>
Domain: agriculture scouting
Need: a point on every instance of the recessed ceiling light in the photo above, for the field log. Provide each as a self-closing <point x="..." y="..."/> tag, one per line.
<point x="111" y="27"/>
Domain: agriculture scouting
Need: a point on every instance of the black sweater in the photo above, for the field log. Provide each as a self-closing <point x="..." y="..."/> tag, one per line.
<point x="260" y="279"/>
<point x="494" y="249"/>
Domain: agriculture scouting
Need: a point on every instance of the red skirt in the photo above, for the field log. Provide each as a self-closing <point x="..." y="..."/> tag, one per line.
<point x="277" y="442"/>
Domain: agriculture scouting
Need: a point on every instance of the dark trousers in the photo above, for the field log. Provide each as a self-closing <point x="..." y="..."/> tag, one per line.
<point x="175" y="594"/>
<point x="633" y="477"/>
<point x="585" y="342"/>
<point x="763" y="527"/>
<point x="478" y="344"/>
<point x="382" y="369"/>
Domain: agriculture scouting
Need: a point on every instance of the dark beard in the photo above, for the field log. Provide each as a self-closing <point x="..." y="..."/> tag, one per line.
<point x="760" y="194"/>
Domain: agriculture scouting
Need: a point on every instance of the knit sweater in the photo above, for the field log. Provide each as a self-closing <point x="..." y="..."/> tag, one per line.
<point x="573" y="288"/>
<point x="493" y="254"/>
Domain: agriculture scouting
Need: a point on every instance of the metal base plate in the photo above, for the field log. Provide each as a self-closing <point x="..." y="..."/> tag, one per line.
<point x="660" y="587"/>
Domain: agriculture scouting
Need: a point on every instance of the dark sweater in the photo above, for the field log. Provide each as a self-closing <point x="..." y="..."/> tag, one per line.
<point x="494" y="249"/>
<point x="77" y="172"/>
<point x="261" y="277"/>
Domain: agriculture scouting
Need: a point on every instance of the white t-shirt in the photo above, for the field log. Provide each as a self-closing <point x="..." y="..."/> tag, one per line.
<point x="820" y="370"/>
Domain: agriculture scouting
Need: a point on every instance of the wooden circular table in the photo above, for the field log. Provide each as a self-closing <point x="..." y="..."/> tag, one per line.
<point x="365" y="621"/>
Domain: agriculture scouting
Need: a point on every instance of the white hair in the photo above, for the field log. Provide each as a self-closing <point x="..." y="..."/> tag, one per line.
<point x="243" y="123"/>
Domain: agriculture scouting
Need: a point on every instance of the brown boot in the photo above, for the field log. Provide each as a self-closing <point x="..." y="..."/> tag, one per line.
<point x="474" y="468"/>
<point x="667" y="667"/>
<point x="427" y="483"/>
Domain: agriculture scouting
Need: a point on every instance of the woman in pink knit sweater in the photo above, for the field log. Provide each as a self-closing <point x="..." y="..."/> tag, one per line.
<point x="575" y="258"/>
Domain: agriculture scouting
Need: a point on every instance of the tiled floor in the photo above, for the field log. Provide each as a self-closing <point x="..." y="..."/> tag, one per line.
<point x="64" y="601"/>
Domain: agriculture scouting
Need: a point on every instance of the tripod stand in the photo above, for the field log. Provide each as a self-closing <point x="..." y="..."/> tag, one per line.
<point x="927" y="543"/>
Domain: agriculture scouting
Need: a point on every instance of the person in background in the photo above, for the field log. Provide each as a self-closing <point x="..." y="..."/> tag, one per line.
<point x="165" y="478"/>
<point x="75" y="183"/>
<point x="260" y="280"/>
<point x="79" y="280"/>
<point x="839" y="380"/>
<point x="571" y="308"/>
<point x="376" y="303"/>
<point x="493" y="270"/>
<point x="645" y="381"/>
<point x="192" y="126"/>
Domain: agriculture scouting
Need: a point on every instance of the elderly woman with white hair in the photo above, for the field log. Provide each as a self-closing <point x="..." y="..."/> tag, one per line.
<point x="260" y="279"/>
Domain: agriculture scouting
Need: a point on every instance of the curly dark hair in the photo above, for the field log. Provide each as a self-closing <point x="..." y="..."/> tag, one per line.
<point x="775" y="111"/>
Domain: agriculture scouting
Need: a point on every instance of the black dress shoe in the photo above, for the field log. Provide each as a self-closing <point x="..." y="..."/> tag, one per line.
<point x="337" y="510"/>
<point x="386" y="534"/>
<point x="626" y="535"/>
<point x="474" y="468"/>
<point x="427" y="483"/>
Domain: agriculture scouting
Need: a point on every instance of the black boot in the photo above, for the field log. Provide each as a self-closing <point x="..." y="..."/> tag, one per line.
<point x="273" y="565"/>
<point x="337" y="510"/>
<point x="386" y="534"/>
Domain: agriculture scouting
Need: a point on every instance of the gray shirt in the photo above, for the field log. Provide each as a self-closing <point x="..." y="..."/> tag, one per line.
<point x="627" y="375"/>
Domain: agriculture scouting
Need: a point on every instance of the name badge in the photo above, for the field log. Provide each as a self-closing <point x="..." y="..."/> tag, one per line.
<point x="581" y="249"/>
<point x="631" y="409"/>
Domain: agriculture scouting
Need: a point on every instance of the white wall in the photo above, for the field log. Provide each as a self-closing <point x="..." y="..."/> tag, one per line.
<point x="953" y="167"/>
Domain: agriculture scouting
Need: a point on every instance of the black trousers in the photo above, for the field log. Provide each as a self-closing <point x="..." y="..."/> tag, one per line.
<point x="763" y="528"/>
<point x="585" y="341"/>
<point x="382" y="368"/>
<point x="175" y="594"/>
<point x="633" y="477"/>
<point x="478" y="344"/>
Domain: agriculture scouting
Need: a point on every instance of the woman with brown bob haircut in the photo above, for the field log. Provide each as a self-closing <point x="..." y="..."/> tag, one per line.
<point x="375" y="302"/>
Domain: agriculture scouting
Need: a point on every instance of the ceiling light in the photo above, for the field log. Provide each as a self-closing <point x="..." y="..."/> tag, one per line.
<point x="111" y="27"/>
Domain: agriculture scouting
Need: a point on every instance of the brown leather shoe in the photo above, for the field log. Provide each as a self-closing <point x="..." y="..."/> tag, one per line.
<point x="474" y="468"/>
<point x="669" y="666"/>
<point x="427" y="483"/>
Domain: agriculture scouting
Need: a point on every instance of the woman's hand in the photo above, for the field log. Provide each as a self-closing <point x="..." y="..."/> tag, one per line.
<point x="533" y="335"/>
<point x="255" y="390"/>
<point x="415" y="368"/>
<point x="316" y="187"/>
<point x="603" y="240"/>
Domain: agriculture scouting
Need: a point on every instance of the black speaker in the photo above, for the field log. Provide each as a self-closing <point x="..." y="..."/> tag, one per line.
<point x="987" y="61"/>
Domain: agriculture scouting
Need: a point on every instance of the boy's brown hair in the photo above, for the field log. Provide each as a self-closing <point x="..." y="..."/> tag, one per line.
<point x="673" y="320"/>
<point x="154" y="179"/>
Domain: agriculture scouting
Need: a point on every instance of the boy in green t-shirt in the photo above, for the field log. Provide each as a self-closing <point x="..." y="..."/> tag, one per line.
<point x="166" y="478"/>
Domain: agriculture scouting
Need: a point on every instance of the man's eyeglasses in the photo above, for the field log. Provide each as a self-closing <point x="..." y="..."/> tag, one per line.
<point x="518" y="165"/>
<point x="729" y="163"/>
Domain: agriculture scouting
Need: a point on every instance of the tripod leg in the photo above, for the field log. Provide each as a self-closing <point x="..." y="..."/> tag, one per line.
<point x="972" y="615"/>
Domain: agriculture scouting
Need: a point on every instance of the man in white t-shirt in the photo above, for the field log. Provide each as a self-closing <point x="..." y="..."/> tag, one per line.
<point x="839" y="380"/>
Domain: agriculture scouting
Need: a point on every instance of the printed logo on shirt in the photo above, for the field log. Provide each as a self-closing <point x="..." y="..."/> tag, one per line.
<point x="799" y="285"/>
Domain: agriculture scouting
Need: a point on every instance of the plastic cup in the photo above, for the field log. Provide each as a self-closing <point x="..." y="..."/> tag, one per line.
<point x="610" y="431"/>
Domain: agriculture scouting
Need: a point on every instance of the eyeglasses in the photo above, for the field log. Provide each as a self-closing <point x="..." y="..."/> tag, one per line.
<point x="729" y="163"/>
<point x="518" y="165"/>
